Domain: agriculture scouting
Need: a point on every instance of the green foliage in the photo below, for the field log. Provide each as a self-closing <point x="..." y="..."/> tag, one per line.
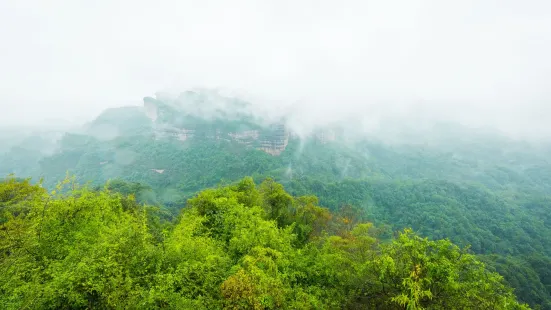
<point x="487" y="192"/>
<point x="469" y="214"/>
<point x="233" y="247"/>
<point x="16" y="196"/>
<point x="421" y="274"/>
<point x="530" y="275"/>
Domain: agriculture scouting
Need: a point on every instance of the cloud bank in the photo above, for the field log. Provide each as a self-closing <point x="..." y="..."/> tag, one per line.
<point x="483" y="63"/>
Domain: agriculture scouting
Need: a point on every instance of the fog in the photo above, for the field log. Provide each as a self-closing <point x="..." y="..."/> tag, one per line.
<point x="482" y="63"/>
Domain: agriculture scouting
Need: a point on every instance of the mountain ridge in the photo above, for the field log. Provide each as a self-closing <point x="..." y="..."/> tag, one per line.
<point x="485" y="190"/>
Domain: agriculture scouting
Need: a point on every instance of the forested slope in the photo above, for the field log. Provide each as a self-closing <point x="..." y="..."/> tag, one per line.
<point x="233" y="247"/>
<point x="481" y="190"/>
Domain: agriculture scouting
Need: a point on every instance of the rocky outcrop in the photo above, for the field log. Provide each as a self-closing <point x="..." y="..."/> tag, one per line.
<point x="247" y="137"/>
<point x="195" y="115"/>
<point x="172" y="121"/>
<point x="275" y="140"/>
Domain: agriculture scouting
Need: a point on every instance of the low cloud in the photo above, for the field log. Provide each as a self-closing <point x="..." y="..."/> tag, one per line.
<point x="324" y="61"/>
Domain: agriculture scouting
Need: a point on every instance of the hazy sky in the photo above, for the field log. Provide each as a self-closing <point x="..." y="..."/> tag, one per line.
<point x="479" y="60"/>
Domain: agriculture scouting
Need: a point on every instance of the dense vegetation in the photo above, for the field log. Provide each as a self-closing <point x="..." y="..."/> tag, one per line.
<point x="483" y="191"/>
<point x="240" y="246"/>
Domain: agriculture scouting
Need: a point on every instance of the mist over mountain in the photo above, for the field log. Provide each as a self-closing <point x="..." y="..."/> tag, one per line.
<point x="216" y="114"/>
<point x="479" y="187"/>
<point x="467" y="62"/>
<point x="275" y="154"/>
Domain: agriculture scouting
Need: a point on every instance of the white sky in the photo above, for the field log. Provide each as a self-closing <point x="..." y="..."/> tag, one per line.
<point x="483" y="61"/>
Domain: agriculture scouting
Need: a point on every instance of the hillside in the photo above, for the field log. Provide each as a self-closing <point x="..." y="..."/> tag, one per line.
<point x="237" y="247"/>
<point x="479" y="189"/>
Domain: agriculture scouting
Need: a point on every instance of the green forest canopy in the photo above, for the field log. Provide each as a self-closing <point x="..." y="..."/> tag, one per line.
<point x="486" y="192"/>
<point x="242" y="246"/>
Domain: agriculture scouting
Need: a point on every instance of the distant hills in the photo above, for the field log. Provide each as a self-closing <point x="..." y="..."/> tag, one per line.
<point x="478" y="188"/>
<point x="120" y="138"/>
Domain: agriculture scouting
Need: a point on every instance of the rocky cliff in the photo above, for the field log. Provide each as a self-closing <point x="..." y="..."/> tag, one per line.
<point x="191" y="115"/>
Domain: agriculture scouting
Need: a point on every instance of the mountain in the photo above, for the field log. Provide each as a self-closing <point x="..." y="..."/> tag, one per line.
<point x="478" y="188"/>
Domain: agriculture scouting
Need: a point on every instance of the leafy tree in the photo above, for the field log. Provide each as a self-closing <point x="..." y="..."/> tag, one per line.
<point x="76" y="248"/>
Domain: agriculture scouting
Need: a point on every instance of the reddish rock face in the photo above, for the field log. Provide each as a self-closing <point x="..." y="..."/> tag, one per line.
<point x="270" y="139"/>
<point x="179" y="123"/>
<point x="275" y="143"/>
